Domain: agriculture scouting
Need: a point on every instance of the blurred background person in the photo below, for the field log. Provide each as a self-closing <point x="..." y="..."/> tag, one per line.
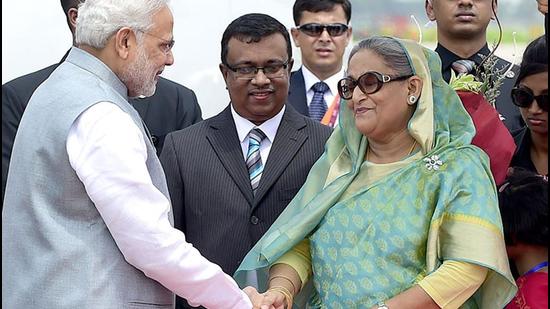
<point x="462" y="46"/>
<point x="530" y="94"/>
<point x="543" y="8"/>
<point x="523" y="201"/>
<point x="322" y="33"/>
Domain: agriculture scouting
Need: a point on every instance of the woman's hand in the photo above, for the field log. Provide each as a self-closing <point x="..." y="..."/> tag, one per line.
<point x="273" y="300"/>
<point x="269" y="300"/>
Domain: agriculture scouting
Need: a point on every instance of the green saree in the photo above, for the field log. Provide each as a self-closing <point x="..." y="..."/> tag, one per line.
<point x="379" y="240"/>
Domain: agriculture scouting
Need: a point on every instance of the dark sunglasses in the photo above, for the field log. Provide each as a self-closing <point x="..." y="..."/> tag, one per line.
<point x="524" y="97"/>
<point x="369" y="83"/>
<point x="315" y="29"/>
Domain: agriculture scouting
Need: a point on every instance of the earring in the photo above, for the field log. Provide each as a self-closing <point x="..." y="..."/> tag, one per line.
<point x="412" y="100"/>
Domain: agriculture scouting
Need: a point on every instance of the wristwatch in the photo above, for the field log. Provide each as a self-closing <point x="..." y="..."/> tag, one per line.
<point x="382" y="305"/>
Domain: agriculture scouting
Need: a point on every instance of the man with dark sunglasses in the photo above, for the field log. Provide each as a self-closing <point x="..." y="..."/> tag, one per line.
<point x="322" y="34"/>
<point x="461" y="34"/>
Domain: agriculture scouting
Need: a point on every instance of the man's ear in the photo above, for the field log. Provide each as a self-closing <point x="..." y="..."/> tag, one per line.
<point x="124" y="39"/>
<point x="224" y="71"/>
<point x="295" y="34"/>
<point x="348" y="35"/>
<point x="290" y="64"/>
<point x="72" y="14"/>
<point x="428" y="4"/>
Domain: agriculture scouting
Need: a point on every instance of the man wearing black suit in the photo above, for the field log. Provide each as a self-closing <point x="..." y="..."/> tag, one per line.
<point x="230" y="176"/>
<point x="172" y="107"/>
<point x="461" y="34"/>
<point x="322" y="34"/>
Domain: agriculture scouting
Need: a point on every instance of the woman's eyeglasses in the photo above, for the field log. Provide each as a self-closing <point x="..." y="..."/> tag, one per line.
<point x="369" y="83"/>
<point x="524" y="97"/>
<point x="315" y="29"/>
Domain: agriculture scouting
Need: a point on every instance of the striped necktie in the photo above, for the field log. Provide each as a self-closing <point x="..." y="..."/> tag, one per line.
<point x="463" y="66"/>
<point x="318" y="106"/>
<point x="253" y="158"/>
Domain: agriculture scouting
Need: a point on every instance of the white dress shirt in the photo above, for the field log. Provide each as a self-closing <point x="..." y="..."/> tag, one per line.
<point x="310" y="79"/>
<point x="108" y="153"/>
<point x="269" y="127"/>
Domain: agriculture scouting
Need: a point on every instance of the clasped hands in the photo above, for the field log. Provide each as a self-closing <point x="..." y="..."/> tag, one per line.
<point x="271" y="299"/>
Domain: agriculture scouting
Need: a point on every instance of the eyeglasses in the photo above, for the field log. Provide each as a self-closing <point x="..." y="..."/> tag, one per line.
<point x="272" y="70"/>
<point x="524" y="97"/>
<point x="369" y="83"/>
<point x="166" y="46"/>
<point x="315" y="29"/>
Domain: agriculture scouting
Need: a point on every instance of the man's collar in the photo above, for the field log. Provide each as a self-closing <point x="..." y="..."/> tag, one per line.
<point x="310" y="79"/>
<point x="448" y="57"/>
<point x="64" y="57"/>
<point x="269" y="127"/>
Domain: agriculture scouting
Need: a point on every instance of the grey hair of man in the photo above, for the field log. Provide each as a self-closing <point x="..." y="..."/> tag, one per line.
<point x="98" y="20"/>
<point x="389" y="50"/>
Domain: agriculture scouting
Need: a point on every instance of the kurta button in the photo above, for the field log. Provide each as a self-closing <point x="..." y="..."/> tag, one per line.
<point x="254" y="220"/>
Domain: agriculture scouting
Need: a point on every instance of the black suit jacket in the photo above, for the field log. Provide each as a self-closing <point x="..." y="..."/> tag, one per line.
<point x="504" y="104"/>
<point x="172" y="107"/>
<point x="297" y="93"/>
<point x="209" y="185"/>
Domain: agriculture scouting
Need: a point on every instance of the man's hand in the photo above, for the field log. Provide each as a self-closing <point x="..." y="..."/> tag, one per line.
<point x="267" y="300"/>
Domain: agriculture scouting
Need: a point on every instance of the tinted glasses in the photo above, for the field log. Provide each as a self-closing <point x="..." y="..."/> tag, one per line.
<point x="524" y="97"/>
<point x="317" y="29"/>
<point x="369" y="83"/>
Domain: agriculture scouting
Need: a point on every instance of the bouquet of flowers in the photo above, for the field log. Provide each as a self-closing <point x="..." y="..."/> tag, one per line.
<point x="491" y="135"/>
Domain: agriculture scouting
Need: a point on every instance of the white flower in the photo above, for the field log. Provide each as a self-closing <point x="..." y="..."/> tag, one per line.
<point x="433" y="163"/>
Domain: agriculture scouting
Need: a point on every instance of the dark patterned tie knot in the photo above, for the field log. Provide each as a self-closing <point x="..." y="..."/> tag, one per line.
<point x="318" y="106"/>
<point x="320" y="87"/>
<point x="463" y="66"/>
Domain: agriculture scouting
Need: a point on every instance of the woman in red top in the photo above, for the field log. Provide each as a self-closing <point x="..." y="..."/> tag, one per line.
<point x="523" y="201"/>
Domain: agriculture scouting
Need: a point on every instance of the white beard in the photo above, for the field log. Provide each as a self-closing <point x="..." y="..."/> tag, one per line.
<point x="139" y="77"/>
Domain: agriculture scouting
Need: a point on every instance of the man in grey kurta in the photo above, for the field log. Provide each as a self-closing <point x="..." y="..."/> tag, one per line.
<point x="86" y="221"/>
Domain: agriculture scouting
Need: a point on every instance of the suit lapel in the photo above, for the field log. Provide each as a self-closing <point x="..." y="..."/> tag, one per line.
<point x="225" y="142"/>
<point x="288" y="141"/>
<point x="297" y="93"/>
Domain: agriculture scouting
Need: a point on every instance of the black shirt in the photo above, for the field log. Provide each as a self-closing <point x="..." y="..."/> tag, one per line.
<point x="510" y="112"/>
<point x="522" y="157"/>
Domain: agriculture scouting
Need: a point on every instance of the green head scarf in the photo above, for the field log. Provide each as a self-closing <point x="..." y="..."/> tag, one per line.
<point x="444" y="130"/>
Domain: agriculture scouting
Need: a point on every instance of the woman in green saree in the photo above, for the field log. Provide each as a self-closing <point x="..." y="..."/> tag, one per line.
<point x="400" y="211"/>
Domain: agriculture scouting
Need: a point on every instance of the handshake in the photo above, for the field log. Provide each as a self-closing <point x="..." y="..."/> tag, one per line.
<point x="273" y="298"/>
